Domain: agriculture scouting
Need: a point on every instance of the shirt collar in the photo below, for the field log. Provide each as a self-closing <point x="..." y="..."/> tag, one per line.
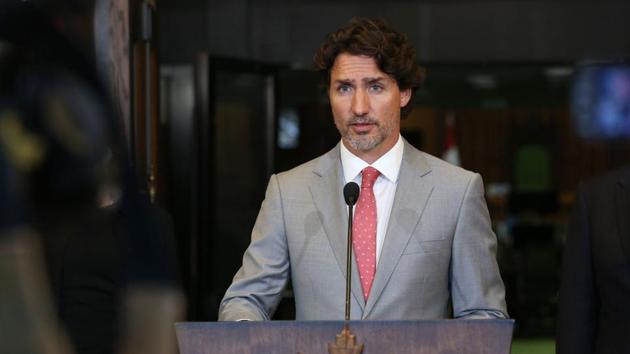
<point x="388" y="164"/>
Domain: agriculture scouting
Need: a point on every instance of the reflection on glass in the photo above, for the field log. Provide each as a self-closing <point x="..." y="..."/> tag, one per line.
<point x="289" y="129"/>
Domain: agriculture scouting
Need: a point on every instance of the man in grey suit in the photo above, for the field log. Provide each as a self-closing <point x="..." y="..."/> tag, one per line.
<point x="422" y="233"/>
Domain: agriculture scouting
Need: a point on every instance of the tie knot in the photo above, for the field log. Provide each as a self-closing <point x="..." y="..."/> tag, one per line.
<point x="369" y="176"/>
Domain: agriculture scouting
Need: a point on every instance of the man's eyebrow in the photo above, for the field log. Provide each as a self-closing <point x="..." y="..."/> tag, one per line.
<point x="344" y="81"/>
<point x="371" y="80"/>
<point x="367" y="80"/>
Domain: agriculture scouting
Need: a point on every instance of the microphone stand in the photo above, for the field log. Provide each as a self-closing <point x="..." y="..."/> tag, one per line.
<point x="345" y="341"/>
<point x="349" y="262"/>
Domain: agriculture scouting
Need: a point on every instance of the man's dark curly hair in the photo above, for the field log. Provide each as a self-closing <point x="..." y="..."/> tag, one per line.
<point x="391" y="50"/>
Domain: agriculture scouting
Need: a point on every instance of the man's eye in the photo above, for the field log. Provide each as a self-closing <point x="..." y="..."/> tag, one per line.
<point x="376" y="88"/>
<point x="343" y="89"/>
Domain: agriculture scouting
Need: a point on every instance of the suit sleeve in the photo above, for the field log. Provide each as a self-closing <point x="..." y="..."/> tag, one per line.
<point x="578" y="303"/>
<point x="477" y="290"/>
<point x="257" y="287"/>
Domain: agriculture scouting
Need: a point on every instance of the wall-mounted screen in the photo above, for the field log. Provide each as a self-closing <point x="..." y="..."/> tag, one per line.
<point x="601" y="101"/>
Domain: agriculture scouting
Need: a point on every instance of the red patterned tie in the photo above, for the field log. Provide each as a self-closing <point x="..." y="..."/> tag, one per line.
<point x="364" y="230"/>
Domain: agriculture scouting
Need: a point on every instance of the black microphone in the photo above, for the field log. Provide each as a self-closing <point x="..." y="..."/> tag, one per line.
<point x="351" y="195"/>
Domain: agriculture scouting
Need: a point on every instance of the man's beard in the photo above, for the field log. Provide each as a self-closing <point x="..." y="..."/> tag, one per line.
<point x="365" y="142"/>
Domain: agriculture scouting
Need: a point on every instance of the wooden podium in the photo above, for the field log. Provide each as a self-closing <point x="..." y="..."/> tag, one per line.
<point x="378" y="337"/>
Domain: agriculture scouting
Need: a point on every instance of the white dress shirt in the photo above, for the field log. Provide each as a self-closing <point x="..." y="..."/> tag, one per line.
<point x="384" y="187"/>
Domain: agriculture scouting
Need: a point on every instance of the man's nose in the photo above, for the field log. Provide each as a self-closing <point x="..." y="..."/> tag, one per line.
<point x="360" y="103"/>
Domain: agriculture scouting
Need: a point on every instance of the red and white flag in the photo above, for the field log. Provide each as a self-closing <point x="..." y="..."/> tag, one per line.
<point x="451" y="152"/>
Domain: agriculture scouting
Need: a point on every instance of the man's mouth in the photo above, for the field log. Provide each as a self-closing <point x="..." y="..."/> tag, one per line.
<point x="362" y="125"/>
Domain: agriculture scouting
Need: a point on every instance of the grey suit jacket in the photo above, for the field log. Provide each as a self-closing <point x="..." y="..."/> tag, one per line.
<point x="439" y="247"/>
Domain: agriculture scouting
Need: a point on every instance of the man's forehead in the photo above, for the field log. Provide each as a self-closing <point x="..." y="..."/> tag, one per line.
<point x="356" y="67"/>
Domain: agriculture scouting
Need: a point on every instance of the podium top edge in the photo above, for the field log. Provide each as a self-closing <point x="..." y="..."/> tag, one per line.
<point x="502" y="322"/>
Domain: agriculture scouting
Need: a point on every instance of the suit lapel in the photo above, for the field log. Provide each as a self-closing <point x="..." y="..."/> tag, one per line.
<point x="412" y="194"/>
<point x="622" y="209"/>
<point x="327" y="194"/>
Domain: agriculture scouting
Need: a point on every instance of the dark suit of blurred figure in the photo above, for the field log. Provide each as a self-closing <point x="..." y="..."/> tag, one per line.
<point x="594" y="309"/>
<point x="56" y="130"/>
<point x="65" y="177"/>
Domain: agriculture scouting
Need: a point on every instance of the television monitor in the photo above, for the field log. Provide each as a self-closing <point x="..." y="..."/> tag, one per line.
<point x="600" y="101"/>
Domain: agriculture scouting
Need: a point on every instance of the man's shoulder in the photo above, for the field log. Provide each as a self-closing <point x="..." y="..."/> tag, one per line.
<point x="437" y="168"/>
<point x="606" y="184"/>
<point x="317" y="165"/>
<point x="599" y="195"/>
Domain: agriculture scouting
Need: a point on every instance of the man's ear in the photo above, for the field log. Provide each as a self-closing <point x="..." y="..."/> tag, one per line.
<point x="405" y="96"/>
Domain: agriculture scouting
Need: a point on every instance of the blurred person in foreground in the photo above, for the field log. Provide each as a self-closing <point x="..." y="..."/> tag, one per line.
<point x="594" y="305"/>
<point x="422" y="234"/>
<point x="64" y="169"/>
<point x="54" y="138"/>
